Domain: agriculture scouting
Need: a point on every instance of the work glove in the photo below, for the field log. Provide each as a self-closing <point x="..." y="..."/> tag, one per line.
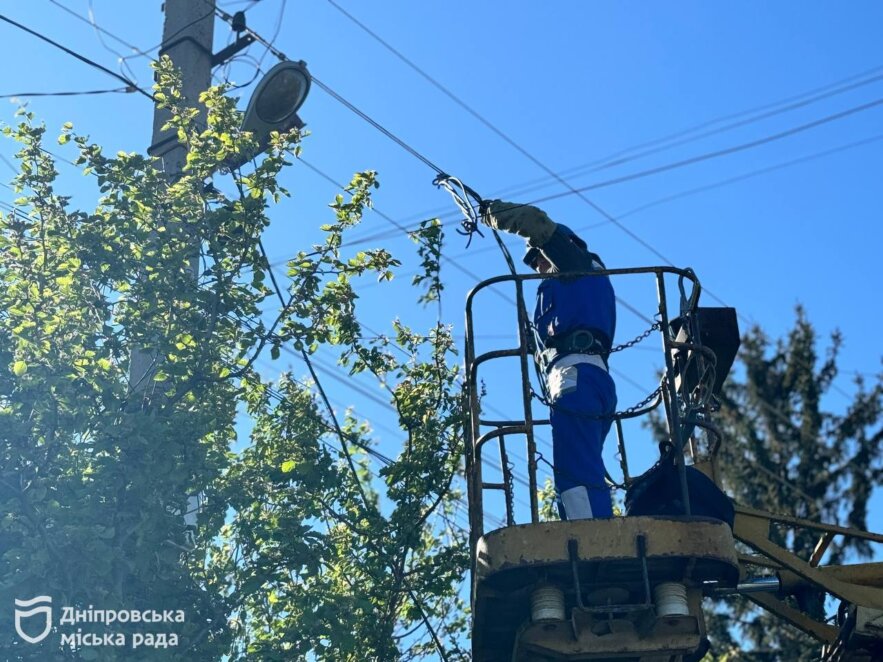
<point x="526" y="221"/>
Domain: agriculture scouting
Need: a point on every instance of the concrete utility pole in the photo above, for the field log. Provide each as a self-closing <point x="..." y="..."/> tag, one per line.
<point x="187" y="39"/>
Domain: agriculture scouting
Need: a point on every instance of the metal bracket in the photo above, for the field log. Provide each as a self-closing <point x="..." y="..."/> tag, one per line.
<point x="226" y="53"/>
<point x="573" y="553"/>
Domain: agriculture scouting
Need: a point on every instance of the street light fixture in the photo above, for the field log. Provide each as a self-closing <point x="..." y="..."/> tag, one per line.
<point x="276" y="100"/>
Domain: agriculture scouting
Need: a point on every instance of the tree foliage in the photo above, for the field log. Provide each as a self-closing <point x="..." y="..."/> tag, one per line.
<point x="790" y="447"/>
<point x="303" y="548"/>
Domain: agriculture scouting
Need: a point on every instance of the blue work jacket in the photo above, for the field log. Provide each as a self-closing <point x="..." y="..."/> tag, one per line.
<point x="568" y="304"/>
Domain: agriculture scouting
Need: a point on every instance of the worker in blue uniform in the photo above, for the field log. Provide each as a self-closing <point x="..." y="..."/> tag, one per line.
<point x="574" y="320"/>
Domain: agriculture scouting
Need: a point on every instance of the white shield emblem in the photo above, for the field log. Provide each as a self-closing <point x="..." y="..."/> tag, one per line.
<point x="44" y="606"/>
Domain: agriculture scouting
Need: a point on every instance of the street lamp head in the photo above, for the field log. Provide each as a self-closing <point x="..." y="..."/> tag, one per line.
<point x="276" y="100"/>
<point x="280" y="93"/>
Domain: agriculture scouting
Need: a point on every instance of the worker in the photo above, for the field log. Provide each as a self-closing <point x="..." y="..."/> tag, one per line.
<point x="574" y="324"/>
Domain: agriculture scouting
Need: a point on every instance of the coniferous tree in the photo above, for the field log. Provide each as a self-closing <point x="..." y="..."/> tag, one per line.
<point x="791" y="447"/>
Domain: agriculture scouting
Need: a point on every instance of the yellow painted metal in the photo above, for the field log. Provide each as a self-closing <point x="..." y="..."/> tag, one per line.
<point x="822" y="632"/>
<point x="820" y="548"/>
<point x="531" y="545"/>
<point x="512" y="561"/>
<point x="808" y="524"/>
<point x="752" y="528"/>
<point x="665" y="638"/>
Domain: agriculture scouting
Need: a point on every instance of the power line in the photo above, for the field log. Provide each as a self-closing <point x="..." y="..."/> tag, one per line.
<point x="453" y="261"/>
<point x="275" y="33"/>
<point x="309" y="363"/>
<point x="707" y="187"/>
<point x="501" y="134"/>
<point x="815" y="95"/>
<point x="377" y="125"/>
<point x="100" y="30"/>
<point x="435" y="83"/>
<point x="747" y="175"/>
<point x="72" y="53"/>
<point x="116" y="90"/>
<point x="579" y="191"/>
<point x="669" y="143"/>
<point x="796" y="102"/>
<point x="721" y="152"/>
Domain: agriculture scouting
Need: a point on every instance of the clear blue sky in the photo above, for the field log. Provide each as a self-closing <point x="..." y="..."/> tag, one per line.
<point x="795" y="220"/>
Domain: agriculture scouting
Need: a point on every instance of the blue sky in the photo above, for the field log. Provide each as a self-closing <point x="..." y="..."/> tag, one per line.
<point x="794" y="220"/>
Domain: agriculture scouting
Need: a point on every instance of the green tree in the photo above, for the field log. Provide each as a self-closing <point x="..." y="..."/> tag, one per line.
<point x="786" y="450"/>
<point x="301" y="551"/>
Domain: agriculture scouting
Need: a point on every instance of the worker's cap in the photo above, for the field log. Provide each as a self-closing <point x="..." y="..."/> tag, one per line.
<point x="530" y="257"/>
<point x="532" y="253"/>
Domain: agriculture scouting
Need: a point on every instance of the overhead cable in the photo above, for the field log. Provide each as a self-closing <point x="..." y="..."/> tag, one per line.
<point x="117" y="90"/>
<point x="72" y="53"/>
<point x="721" y="152"/>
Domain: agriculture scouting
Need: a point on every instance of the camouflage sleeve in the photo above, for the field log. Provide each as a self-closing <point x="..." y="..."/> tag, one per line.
<point x="524" y="220"/>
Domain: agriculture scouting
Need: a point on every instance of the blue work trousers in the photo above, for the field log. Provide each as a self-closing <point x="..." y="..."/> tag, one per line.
<point x="582" y="398"/>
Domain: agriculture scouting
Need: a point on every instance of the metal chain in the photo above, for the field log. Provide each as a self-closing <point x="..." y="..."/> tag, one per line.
<point x="631" y="343"/>
<point x="643" y="403"/>
<point x="509" y="478"/>
<point x="600" y="417"/>
<point x="618" y="414"/>
<point x="589" y="486"/>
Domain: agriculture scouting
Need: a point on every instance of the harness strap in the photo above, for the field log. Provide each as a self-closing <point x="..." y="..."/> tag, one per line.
<point x="586" y="341"/>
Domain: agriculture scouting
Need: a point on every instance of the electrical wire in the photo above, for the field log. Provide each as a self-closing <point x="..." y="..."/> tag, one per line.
<point x="123" y="59"/>
<point x="116" y="90"/>
<point x="275" y="33"/>
<point x="438" y="170"/>
<point x="748" y="175"/>
<point x="617" y="159"/>
<point x="791" y="103"/>
<point x="501" y="134"/>
<point x="721" y="152"/>
<point x="840" y="87"/>
<point x="611" y="219"/>
<point x="579" y="191"/>
<point x="377" y="125"/>
<point x="72" y="53"/>
<point x="697" y="190"/>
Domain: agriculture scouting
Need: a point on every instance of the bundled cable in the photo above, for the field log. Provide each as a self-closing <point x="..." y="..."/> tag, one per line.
<point x="468" y="201"/>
